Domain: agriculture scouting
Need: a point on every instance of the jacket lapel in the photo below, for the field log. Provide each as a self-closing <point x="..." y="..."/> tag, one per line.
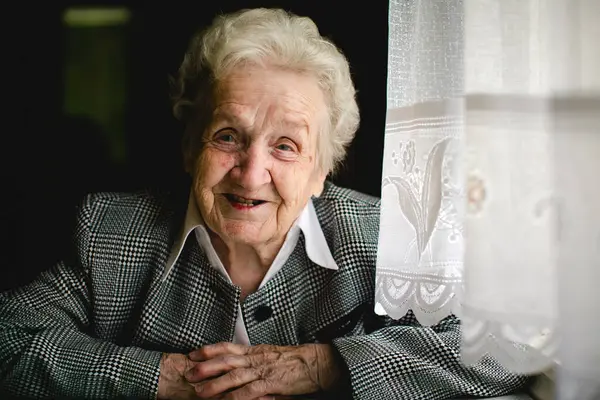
<point x="194" y="306"/>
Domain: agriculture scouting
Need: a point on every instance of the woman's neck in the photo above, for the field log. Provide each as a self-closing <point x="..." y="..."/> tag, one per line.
<point x="246" y="265"/>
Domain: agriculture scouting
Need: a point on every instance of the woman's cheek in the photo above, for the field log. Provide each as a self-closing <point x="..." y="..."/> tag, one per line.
<point x="213" y="165"/>
<point x="289" y="183"/>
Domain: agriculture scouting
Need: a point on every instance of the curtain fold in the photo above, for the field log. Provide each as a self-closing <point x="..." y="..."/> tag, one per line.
<point x="491" y="179"/>
<point x="421" y="234"/>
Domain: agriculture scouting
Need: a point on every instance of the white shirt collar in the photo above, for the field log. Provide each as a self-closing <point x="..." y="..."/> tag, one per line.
<point x="316" y="245"/>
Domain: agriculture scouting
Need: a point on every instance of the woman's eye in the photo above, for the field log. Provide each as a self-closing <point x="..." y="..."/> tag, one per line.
<point x="284" y="147"/>
<point x="227" y="138"/>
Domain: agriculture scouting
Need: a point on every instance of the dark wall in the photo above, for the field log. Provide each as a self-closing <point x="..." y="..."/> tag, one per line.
<point x="51" y="160"/>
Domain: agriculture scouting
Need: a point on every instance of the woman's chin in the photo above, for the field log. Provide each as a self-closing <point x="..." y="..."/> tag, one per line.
<point x="244" y="232"/>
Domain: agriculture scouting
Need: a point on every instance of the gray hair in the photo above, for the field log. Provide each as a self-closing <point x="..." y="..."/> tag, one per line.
<point x="279" y="38"/>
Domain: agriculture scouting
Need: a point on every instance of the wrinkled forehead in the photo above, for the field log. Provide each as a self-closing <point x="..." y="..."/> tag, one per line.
<point x="245" y="117"/>
<point x="279" y="97"/>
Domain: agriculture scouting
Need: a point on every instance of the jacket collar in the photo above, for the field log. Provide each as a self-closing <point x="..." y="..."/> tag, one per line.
<point x="316" y="245"/>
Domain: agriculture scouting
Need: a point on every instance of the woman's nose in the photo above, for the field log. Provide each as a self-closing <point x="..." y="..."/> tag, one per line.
<point x="252" y="172"/>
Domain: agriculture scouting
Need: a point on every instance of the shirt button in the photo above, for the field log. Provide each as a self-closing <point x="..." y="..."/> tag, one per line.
<point x="262" y="313"/>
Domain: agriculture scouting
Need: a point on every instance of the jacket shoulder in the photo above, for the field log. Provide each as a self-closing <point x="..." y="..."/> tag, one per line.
<point x="120" y="212"/>
<point x="347" y="201"/>
<point x="348" y="216"/>
<point x="352" y="198"/>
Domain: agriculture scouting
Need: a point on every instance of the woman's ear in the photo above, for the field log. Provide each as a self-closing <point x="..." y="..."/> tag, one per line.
<point x="188" y="162"/>
<point x="318" y="183"/>
<point x="190" y="146"/>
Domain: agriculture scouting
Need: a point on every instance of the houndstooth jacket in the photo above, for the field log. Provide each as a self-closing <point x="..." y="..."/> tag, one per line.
<point x="96" y="324"/>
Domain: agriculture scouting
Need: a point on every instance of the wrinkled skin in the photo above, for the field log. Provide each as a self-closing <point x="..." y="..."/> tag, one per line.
<point x="231" y="371"/>
<point x="260" y="144"/>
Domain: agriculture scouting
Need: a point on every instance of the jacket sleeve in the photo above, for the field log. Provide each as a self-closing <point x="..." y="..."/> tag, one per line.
<point x="47" y="349"/>
<point x="404" y="360"/>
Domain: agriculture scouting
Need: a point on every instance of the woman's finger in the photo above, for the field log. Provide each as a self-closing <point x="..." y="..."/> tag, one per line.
<point x="215" y="367"/>
<point x="233" y="379"/>
<point x="214" y="350"/>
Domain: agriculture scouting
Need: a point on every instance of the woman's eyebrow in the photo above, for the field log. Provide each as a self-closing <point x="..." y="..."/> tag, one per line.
<point x="223" y="114"/>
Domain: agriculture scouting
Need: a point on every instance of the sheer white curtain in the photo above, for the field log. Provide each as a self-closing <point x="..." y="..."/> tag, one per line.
<point x="491" y="179"/>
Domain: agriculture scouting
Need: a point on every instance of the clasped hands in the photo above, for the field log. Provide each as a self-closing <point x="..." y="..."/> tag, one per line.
<point x="231" y="371"/>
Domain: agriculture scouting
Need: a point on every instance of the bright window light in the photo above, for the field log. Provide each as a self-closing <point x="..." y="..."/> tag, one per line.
<point x="96" y="17"/>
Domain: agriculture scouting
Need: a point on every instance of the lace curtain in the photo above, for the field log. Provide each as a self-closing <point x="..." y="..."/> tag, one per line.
<point x="491" y="179"/>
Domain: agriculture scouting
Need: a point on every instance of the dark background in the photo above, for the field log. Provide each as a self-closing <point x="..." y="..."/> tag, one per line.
<point x="91" y="110"/>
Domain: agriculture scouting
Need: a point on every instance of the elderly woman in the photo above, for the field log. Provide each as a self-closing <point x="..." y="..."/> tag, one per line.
<point x="264" y="284"/>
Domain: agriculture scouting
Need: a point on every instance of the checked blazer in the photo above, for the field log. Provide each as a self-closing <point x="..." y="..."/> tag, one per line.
<point x="95" y="325"/>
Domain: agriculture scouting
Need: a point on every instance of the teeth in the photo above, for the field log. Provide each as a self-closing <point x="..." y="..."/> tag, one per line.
<point x="243" y="201"/>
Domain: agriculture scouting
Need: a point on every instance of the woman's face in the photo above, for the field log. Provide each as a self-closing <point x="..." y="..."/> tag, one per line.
<point x="257" y="167"/>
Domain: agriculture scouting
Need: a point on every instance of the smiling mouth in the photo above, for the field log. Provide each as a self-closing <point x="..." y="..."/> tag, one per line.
<point x="242" y="202"/>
